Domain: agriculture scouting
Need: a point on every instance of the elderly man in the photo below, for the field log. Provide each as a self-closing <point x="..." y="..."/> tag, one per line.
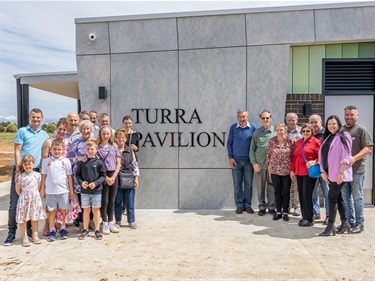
<point x="238" y="146"/>
<point x="72" y="121"/>
<point x="361" y="147"/>
<point x="28" y="140"/>
<point x="293" y="131"/>
<point x="258" y="152"/>
<point x="316" y="121"/>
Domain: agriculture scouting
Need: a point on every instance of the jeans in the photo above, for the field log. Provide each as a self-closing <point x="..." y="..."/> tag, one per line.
<point x="108" y="199"/>
<point x="355" y="189"/>
<point x="126" y="195"/>
<point x="305" y="191"/>
<point x="336" y="201"/>
<point x="263" y="187"/>
<point x="282" y="192"/>
<point x="243" y="173"/>
<point x="325" y="189"/>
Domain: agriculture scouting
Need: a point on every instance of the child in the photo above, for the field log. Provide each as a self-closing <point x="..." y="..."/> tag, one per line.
<point x="90" y="176"/>
<point x="111" y="159"/>
<point x="127" y="160"/>
<point x="29" y="206"/>
<point x="57" y="187"/>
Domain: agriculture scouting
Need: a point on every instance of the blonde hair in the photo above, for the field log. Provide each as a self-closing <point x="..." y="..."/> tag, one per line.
<point x="99" y="136"/>
<point x="26" y="159"/>
<point x="92" y="142"/>
<point x="121" y="131"/>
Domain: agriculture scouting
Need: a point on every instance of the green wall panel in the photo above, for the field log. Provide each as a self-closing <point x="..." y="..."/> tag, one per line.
<point x="301" y="70"/>
<point x="334" y="51"/>
<point x="366" y="50"/>
<point x="350" y="50"/>
<point x="317" y="53"/>
<point x="290" y="72"/>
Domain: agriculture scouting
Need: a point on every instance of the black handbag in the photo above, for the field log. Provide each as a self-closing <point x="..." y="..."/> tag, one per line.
<point x="126" y="179"/>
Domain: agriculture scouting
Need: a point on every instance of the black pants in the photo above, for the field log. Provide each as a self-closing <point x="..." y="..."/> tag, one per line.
<point x="305" y="191"/>
<point x="282" y="192"/>
<point x="108" y="199"/>
<point x="335" y="202"/>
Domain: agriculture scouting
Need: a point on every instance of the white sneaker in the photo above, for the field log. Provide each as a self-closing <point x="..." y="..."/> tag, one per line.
<point x="105" y="229"/>
<point x="113" y="228"/>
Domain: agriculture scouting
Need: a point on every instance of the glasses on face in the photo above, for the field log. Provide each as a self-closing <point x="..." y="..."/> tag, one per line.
<point x="265" y="118"/>
<point x="306" y="131"/>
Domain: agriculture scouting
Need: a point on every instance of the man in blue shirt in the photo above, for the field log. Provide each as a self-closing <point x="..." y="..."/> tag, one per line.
<point x="238" y="147"/>
<point x="28" y="140"/>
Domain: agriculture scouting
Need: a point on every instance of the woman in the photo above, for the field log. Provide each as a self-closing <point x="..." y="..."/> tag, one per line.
<point x="60" y="134"/>
<point x="76" y="154"/>
<point x="279" y="157"/>
<point x="334" y="160"/>
<point x="133" y="136"/>
<point x="306" y="147"/>
<point x="126" y="195"/>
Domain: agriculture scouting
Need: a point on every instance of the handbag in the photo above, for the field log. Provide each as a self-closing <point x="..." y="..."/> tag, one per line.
<point x="126" y="179"/>
<point x="314" y="171"/>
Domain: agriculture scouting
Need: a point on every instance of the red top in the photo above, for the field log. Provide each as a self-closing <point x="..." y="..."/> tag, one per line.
<point x="311" y="150"/>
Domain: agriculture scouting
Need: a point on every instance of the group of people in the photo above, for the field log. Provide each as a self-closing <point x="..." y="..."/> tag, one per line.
<point x="76" y="169"/>
<point x="276" y="159"/>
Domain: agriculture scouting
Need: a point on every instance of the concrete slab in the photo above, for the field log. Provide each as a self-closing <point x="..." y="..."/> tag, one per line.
<point x="207" y="244"/>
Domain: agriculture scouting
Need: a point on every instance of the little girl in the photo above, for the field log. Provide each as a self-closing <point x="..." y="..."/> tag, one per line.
<point x="111" y="159"/>
<point x="29" y="206"/>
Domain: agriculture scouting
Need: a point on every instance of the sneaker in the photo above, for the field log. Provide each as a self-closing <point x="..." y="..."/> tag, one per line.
<point x="51" y="236"/>
<point x="10" y="238"/>
<point x="113" y="228"/>
<point x="261" y="212"/>
<point x="296" y="212"/>
<point x="83" y="234"/>
<point x="63" y="234"/>
<point x="105" y="229"/>
<point x="98" y="235"/>
<point x="133" y="225"/>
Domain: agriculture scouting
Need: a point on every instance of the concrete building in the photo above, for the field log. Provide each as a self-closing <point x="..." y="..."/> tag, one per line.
<point x="183" y="76"/>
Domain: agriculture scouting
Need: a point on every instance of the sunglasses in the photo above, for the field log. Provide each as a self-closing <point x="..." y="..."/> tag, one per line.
<point x="306" y="131"/>
<point x="265" y="118"/>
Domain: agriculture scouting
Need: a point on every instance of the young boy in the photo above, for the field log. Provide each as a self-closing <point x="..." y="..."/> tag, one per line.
<point x="90" y="175"/>
<point x="57" y="187"/>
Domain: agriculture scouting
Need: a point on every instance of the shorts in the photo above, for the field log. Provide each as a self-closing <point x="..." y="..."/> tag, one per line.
<point x="91" y="200"/>
<point x="57" y="201"/>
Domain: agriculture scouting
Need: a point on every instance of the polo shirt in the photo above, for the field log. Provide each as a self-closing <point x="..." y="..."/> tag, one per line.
<point x="57" y="171"/>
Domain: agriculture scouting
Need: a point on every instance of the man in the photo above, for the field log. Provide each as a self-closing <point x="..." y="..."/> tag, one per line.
<point x="238" y="146"/>
<point x="84" y="115"/>
<point x="258" y="152"/>
<point x="103" y="120"/>
<point x="72" y="133"/>
<point x="293" y="131"/>
<point x="316" y="121"/>
<point x="28" y="140"/>
<point x="362" y="146"/>
<point x="93" y="117"/>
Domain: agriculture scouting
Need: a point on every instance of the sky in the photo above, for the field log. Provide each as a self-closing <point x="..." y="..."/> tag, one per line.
<point x="39" y="37"/>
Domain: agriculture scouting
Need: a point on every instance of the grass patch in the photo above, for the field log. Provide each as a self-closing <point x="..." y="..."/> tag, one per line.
<point x="7" y="136"/>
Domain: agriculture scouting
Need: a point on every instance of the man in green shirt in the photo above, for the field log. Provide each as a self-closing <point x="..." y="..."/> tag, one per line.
<point x="258" y="152"/>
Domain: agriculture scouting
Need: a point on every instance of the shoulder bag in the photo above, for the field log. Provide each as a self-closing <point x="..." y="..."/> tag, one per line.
<point x="314" y="171"/>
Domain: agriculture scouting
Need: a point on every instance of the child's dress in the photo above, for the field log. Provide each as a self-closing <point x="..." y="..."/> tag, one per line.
<point x="29" y="206"/>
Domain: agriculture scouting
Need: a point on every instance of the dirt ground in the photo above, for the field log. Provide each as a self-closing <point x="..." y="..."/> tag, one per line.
<point x="6" y="163"/>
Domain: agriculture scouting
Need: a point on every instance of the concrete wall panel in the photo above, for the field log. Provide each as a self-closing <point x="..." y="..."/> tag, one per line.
<point x="94" y="71"/>
<point x="267" y="78"/>
<point x="158" y="189"/>
<point x="349" y="24"/>
<point x="143" y="35"/>
<point x="211" y="31"/>
<point x="212" y="82"/>
<point x="84" y="46"/>
<point x="280" y="27"/>
<point x="147" y="81"/>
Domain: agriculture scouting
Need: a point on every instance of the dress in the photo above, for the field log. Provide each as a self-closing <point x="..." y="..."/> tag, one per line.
<point x="29" y="206"/>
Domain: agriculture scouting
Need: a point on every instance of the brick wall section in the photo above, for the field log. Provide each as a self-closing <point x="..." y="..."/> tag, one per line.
<point x="295" y="102"/>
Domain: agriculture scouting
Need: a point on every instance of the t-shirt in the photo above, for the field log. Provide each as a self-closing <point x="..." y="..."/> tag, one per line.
<point x="57" y="171"/>
<point x="109" y="156"/>
<point x="31" y="142"/>
<point x="360" y="138"/>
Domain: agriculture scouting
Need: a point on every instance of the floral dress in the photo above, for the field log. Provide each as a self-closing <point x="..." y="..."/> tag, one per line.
<point x="29" y="206"/>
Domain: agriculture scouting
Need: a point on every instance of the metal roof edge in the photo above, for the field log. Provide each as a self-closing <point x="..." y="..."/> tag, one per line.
<point x="66" y="73"/>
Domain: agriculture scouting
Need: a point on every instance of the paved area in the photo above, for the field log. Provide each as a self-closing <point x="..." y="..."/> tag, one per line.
<point x="205" y="245"/>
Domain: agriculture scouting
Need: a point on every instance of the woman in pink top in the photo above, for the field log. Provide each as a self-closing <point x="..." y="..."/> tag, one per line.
<point x="334" y="159"/>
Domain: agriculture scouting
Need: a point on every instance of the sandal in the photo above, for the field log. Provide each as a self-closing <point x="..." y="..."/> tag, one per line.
<point x="25" y="242"/>
<point x="36" y="239"/>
